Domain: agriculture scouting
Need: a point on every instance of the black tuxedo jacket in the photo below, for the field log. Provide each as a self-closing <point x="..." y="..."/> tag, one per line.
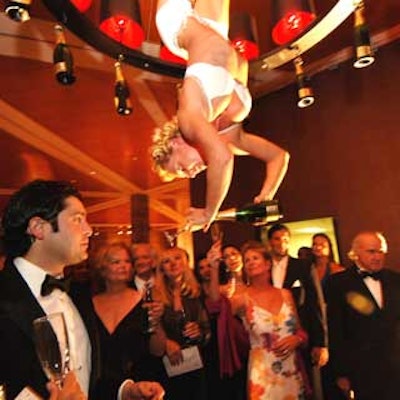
<point x="365" y="339"/>
<point x="300" y="282"/>
<point x="19" y="365"/>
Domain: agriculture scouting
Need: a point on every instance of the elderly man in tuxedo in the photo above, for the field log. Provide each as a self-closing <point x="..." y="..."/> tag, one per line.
<point x="364" y="322"/>
<point x="45" y="229"/>
<point x="144" y="263"/>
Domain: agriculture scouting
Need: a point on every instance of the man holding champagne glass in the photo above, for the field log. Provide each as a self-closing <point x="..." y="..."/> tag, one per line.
<point x="45" y="229"/>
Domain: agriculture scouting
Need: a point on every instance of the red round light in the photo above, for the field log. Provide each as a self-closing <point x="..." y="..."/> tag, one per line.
<point x="248" y="49"/>
<point x="291" y="25"/>
<point x="124" y="30"/>
<point x="166" y="55"/>
<point x="82" y="5"/>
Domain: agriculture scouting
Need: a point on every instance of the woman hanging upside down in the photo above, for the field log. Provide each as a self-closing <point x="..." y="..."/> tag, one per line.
<point x="213" y="100"/>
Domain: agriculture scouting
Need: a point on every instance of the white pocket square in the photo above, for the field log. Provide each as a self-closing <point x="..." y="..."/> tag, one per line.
<point x="296" y="283"/>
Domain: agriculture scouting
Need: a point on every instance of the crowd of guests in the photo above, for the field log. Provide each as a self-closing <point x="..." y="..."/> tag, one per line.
<point x="251" y="323"/>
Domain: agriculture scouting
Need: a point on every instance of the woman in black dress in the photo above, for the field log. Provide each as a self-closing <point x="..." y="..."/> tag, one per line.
<point x="125" y="349"/>
<point x="184" y="320"/>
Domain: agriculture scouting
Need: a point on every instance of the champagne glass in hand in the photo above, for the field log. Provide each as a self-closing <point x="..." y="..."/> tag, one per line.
<point x="51" y="342"/>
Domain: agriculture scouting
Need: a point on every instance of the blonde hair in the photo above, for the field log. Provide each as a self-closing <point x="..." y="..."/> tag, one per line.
<point x="102" y="258"/>
<point x="189" y="285"/>
<point x="161" y="148"/>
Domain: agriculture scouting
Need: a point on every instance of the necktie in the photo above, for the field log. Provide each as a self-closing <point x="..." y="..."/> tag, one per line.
<point x="50" y="283"/>
<point x="374" y="275"/>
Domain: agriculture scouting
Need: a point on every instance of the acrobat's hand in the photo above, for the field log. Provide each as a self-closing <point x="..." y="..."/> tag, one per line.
<point x="198" y="218"/>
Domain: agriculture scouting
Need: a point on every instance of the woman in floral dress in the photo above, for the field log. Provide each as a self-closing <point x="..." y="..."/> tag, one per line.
<point x="269" y="315"/>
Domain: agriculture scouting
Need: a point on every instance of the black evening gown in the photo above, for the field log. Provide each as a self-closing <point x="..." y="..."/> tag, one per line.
<point x="125" y="354"/>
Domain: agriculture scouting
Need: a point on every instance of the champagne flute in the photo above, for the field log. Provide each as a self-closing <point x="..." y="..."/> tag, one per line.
<point x="173" y="236"/>
<point x="52" y="348"/>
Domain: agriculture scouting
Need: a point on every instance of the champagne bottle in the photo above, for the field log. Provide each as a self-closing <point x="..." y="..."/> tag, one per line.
<point x="256" y="214"/>
<point x="62" y="59"/>
<point x="121" y="98"/>
<point x="185" y="317"/>
<point x="18" y="10"/>
<point x="305" y="93"/>
<point x="148" y="327"/>
<point x="364" y="53"/>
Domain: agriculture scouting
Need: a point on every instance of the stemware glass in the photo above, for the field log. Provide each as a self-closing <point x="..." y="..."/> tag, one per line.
<point x="173" y="236"/>
<point x="52" y="348"/>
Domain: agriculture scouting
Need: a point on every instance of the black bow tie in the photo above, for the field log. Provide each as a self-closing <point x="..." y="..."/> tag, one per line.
<point x="50" y="283"/>
<point x="374" y="275"/>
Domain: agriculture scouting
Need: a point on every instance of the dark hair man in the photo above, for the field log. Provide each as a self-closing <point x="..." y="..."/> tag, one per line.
<point x="296" y="275"/>
<point x="45" y="229"/>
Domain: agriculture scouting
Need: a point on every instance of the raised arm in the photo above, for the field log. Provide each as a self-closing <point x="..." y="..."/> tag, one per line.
<point x="276" y="160"/>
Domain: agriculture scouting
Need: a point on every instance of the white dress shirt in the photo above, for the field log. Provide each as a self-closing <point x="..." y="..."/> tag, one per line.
<point x="141" y="284"/>
<point x="59" y="301"/>
<point x="375" y="288"/>
<point x="278" y="272"/>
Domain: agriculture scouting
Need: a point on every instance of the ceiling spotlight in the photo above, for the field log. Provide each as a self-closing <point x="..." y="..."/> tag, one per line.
<point x="364" y="53"/>
<point x="243" y="35"/>
<point x="290" y="19"/>
<point x="121" y="21"/>
<point x="18" y="10"/>
<point x="304" y="90"/>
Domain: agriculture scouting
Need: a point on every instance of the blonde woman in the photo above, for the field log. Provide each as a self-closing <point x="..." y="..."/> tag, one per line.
<point x="125" y="348"/>
<point x="270" y="317"/>
<point x="212" y="102"/>
<point x="185" y="321"/>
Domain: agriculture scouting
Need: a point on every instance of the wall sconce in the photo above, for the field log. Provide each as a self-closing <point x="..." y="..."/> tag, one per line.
<point x="121" y="21"/>
<point x="243" y="35"/>
<point x="364" y="53"/>
<point x="62" y="59"/>
<point x="292" y="18"/>
<point x="122" y="102"/>
<point x="18" y="10"/>
<point x="304" y="90"/>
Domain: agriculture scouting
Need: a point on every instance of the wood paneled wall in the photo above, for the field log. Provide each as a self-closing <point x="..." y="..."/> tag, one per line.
<point x="345" y="154"/>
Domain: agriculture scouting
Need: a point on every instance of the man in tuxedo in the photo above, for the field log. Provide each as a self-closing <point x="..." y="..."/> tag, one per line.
<point x="364" y="322"/>
<point x="295" y="274"/>
<point x="144" y="265"/>
<point x="45" y="229"/>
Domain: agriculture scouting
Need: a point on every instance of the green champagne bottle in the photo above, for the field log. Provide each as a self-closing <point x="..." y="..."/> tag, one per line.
<point x="364" y="53"/>
<point x="148" y="327"/>
<point x="255" y="213"/>
<point x="62" y="59"/>
<point x="121" y="92"/>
